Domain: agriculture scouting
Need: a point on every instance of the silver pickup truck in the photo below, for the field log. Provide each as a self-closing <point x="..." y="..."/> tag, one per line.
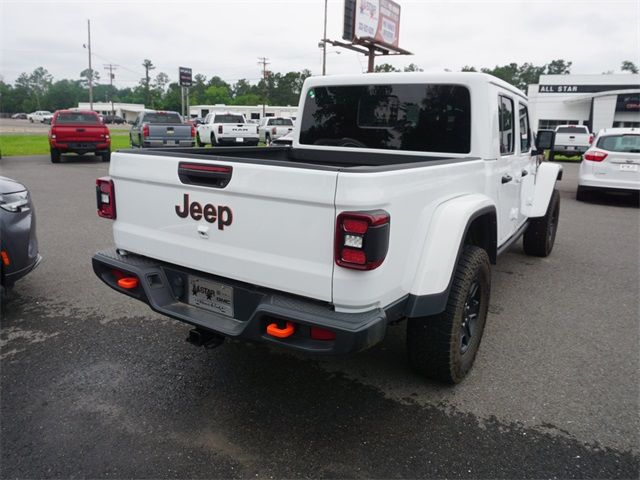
<point x="161" y="129"/>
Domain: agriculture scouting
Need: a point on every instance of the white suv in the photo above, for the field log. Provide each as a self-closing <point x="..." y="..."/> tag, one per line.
<point x="612" y="162"/>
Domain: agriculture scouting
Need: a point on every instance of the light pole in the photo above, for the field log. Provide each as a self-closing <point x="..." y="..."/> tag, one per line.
<point x="324" y="41"/>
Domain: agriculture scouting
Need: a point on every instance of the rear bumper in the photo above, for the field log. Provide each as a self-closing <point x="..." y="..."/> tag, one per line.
<point x="80" y="147"/>
<point x="601" y="181"/>
<point x="570" y="149"/>
<point x="164" y="287"/>
<point x="246" y="141"/>
<point x="164" y="142"/>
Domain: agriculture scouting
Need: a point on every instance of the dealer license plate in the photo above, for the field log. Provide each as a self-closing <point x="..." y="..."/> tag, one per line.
<point x="629" y="168"/>
<point x="211" y="296"/>
<point x="239" y="140"/>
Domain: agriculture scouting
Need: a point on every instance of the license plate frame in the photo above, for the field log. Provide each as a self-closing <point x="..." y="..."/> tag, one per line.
<point x="239" y="140"/>
<point x="211" y="296"/>
<point x="626" y="167"/>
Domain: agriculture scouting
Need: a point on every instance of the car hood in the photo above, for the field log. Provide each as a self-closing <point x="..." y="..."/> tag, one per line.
<point x="10" y="186"/>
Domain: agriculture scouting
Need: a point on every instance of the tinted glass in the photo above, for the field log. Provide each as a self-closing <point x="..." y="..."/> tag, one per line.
<point x="72" y="117"/>
<point x="162" y="117"/>
<point x="427" y="118"/>
<point x="281" y="122"/>
<point x="505" y="113"/>
<point x="229" y="119"/>
<point x="572" y="130"/>
<point x="525" y="133"/>
<point x="620" y="143"/>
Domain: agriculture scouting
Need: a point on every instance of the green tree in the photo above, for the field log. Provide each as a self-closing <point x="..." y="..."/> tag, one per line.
<point x="64" y="94"/>
<point x="412" y="67"/>
<point x="146" y="80"/>
<point x="84" y="77"/>
<point x="385" y="67"/>
<point x="628" y="66"/>
<point x="217" y="95"/>
<point x="559" y="67"/>
<point x="468" y="68"/>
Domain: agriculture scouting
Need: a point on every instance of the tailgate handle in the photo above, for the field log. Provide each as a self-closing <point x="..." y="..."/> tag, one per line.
<point x="207" y="175"/>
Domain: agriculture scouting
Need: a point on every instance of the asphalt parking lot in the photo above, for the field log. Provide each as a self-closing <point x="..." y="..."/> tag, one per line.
<point x="96" y="385"/>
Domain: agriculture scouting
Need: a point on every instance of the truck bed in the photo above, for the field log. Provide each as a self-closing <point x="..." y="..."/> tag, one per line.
<point x="329" y="160"/>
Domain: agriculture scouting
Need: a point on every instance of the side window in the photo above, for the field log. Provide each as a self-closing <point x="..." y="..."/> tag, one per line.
<point x="525" y="131"/>
<point x="505" y="117"/>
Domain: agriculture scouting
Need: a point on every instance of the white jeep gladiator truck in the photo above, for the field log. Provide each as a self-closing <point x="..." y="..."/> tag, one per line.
<point x="399" y="192"/>
<point x="226" y="128"/>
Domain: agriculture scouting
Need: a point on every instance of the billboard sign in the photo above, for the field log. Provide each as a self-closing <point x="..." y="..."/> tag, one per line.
<point x="377" y="20"/>
<point x="184" y="74"/>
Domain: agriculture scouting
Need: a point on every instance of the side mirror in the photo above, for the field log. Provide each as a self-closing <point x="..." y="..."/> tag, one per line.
<point x="545" y="140"/>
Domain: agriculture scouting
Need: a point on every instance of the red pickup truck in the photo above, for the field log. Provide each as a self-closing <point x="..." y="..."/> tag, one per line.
<point x="80" y="132"/>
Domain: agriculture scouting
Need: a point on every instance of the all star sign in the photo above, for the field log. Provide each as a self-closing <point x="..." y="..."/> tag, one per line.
<point x="377" y="20"/>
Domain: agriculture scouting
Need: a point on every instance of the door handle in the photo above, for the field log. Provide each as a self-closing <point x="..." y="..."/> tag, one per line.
<point x="506" y="178"/>
<point x="524" y="173"/>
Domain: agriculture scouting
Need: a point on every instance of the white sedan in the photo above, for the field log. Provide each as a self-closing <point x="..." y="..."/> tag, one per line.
<point x="611" y="163"/>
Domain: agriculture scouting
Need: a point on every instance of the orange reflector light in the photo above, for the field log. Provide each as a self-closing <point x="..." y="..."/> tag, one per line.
<point x="5" y="258"/>
<point x="128" y="283"/>
<point x="275" y="331"/>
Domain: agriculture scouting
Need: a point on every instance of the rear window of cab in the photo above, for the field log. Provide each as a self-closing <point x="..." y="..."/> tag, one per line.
<point x="77" y="118"/>
<point x="405" y="117"/>
<point x="572" y="130"/>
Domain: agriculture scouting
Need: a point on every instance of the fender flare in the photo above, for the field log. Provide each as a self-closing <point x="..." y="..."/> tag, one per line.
<point x="538" y="194"/>
<point x="445" y="240"/>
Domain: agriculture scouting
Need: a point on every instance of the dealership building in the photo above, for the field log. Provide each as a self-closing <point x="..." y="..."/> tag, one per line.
<point x="597" y="101"/>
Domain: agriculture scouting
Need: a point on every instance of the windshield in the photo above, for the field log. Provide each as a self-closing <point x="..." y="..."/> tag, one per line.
<point x="413" y="117"/>
<point x="228" y="118"/>
<point x="162" y="117"/>
<point x="572" y="130"/>
<point x="620" y="143"/>
<point x="72" y="117"/>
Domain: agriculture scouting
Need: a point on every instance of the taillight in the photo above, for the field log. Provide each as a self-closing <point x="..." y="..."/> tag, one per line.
<point x="219" y="129"/>
<point x="145" y="130"/>
<point x="193" y="131"/>
<point x="106" y="198"/>
<point x="590" y="138"/>
<point x="362" y="239"/>
<point x="595" y="156"/>
<point x="274" y="130"/>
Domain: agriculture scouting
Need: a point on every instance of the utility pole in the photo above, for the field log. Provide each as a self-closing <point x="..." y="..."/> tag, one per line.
<point x="90" y="69"/>
<point x="111" y="67"/>
<point x="324" y="41"/>
<point x="264" y="63"/>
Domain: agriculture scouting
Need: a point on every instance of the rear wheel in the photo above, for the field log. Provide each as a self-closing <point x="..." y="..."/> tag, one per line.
<point x="106" y="156"/>
<point x="55" y="156"/>
<point x="540" y="236"/>
<point x="443" y="347"/>
<point x="213" y="140"/>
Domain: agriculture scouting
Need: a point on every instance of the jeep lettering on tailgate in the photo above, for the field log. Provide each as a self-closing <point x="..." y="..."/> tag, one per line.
<point x="209" y="212"/>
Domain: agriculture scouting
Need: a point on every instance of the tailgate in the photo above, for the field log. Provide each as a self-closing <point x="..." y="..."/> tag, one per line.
<point x="239" y="130"/>
<point x="170" y="131"/>
<point x="79" y="133"/>
<point x="277" y="223"/>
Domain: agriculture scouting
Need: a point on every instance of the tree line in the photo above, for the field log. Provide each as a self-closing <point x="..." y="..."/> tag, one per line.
<point x="519" y="76"/>
<point x="38" y="91"/>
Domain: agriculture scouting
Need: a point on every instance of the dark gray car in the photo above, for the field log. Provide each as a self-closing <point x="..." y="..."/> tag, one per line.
<point x="161" y="129"/>
<point x="18" y="242"/>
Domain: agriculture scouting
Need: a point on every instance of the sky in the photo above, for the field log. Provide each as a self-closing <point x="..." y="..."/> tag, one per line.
<point x="226" y="37"/>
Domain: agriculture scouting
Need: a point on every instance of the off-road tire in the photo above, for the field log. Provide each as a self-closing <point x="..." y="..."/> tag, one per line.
<point x="435" y="342"/>
<point x="106" y="156"/>
<point x="55" y="156"/>
<point x="540" y="235"/>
